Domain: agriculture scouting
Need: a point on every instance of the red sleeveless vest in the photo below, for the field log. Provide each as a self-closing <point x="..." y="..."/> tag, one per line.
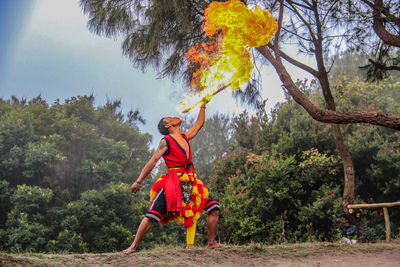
<point x="177" y="161"/>
<point x="176" y="157"/>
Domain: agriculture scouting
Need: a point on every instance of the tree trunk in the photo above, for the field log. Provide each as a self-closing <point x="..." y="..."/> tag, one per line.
<point x="347" y="161"/>
<point x="348" y="168"/>
<point x="348" y="190"/>
<point x="299" y="97"/>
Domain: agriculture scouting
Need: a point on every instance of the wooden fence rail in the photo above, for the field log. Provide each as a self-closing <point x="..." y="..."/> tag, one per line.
<point x="384" y="206"/>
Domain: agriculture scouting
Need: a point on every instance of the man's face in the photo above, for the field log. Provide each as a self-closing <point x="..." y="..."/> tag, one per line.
<point x="172" y="121"/>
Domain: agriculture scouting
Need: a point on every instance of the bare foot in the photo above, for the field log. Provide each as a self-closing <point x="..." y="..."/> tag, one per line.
<point x="189" y="247"/>
<point x="129" y="250"/>
<point x="213" y="245"/>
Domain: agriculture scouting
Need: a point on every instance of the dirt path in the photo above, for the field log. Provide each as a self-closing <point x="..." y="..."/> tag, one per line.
<point x="307" y="254"/>
<point x="360" y="259"/>
<point x="389" y="258"/>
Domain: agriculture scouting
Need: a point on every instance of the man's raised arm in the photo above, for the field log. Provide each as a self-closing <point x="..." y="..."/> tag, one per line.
<point x="162" y="148"/>
<point x="192" y="132"/>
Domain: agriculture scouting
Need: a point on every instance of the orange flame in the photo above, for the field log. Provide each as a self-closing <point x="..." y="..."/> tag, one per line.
<point x="225" y="60"/>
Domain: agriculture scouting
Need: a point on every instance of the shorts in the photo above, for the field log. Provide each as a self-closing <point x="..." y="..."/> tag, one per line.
<point x="159" y="207"/>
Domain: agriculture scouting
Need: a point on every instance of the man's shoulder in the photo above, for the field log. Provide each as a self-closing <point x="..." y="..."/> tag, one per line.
<point x="165" y="139"/>
<point x="165" y="144"/>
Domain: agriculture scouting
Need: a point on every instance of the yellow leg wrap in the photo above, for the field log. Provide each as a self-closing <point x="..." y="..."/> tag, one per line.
<point x="190" y="233"/>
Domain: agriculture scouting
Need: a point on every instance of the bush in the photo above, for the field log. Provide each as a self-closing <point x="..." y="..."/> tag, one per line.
<point x="68" y="241"/>
<point x="27" y="236"/>
<point x="276" y="198"/>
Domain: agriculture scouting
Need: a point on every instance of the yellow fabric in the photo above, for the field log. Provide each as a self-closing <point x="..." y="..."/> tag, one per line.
<point x="198" y="201"/>
<point x="153" y="195"/>
<point x="190" y="233"/>
<point x="188" y="213"/>
<point x="184" y="178"/>
<point x="181" y="220"/>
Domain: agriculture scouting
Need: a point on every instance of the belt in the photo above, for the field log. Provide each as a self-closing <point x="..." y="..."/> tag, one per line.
<point x="181" y="173"/>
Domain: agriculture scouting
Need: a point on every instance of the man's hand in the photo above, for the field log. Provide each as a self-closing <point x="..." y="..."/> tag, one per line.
<point x="135" y="187"/>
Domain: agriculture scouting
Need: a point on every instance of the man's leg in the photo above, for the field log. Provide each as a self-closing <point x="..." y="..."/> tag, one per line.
<point x="154" y="214"/>
<point x="144" y="227"/>
<point x="212" y="223"/>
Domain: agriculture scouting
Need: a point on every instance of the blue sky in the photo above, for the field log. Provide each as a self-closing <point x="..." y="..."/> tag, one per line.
<point x="46" y="48"/>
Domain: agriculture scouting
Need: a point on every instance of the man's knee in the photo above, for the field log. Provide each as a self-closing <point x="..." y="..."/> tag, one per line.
<point x="214" y="212"/>
<point x="147" y="221"/>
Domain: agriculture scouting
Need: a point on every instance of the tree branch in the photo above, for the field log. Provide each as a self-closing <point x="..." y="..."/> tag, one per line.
<point x="294" y="9"/>
<point x="295" y="34"/>
<point x="383" y="66"/>
<point x="327" y="12"/>
<point x="328" y="116"/>
<point x="276" y="41"/>
<point x="300" y="5"/>
<point x="295" y="62"/>
<point x="378" y="24"/>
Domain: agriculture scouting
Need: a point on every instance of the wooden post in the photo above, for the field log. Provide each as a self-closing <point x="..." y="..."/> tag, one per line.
<point x="385" y="207"/>
<point x="387" y="223"/>
<point x="373" y="206"/>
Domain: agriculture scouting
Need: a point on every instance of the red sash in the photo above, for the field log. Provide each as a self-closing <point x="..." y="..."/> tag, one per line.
<point x="175" y="157"/>
<point x="172" y="189"/>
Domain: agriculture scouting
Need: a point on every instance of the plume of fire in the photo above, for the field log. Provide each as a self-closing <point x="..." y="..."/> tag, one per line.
<point x="225" y="61"/>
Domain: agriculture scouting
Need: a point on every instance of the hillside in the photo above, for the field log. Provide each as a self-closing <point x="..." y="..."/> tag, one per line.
<point x="305" y="254"/>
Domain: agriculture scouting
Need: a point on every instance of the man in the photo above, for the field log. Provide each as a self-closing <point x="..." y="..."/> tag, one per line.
<point x="179" y="195"/>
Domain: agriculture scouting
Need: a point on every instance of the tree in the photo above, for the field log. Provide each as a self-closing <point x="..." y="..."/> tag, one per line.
<point x="25" y="156"/>
<point x="383" y="43"/>
<point x="274" y="197"/>
<point x="99" y="220"/>
<point x="70" y="147"/>
<point x="313" y="25"/>
<point x="27" y="223"/>
<point x="290" y="132"/>
<point x="5" y="204"/>
<point x="158" y="34"/>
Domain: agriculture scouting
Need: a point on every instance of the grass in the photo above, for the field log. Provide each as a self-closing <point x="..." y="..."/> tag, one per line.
<point x="176" y="256"/>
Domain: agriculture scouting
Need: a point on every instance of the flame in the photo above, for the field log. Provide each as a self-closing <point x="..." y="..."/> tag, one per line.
<point x="225" y="61"/>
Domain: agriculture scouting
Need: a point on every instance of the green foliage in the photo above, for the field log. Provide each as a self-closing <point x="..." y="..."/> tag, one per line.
<point x="70" y="147"/>
<point x="33" y="201"/>
<point x="213" y="141"/>
<point x="299" y="187"/>
<point x="113" y="238"/>
<point x="155" y="33"/>
<point x="224" y="168"/>
<point x="49" y="155"/>
<point x="99" y="220"/>
<point x="263" y="201"/>
<point x="3" y="239"/>
<point x="375" y="149"/>
<point x="27" y="224"/>
<point x="321" y="219"/>
<point x="24" y="235"/>
<point x="5" y="203"/>
<point x="67" y="241"/>
<point x="66" y="171"/>
<point x="288" y="129"/>
<point x="16" y="131"/>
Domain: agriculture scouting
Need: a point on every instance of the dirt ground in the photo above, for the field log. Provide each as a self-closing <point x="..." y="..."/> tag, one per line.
<point x="389" y="258"/>
<point x="306" y="254"/>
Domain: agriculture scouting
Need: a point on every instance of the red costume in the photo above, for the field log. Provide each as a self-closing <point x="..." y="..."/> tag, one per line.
<point x="181" y="173"/>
